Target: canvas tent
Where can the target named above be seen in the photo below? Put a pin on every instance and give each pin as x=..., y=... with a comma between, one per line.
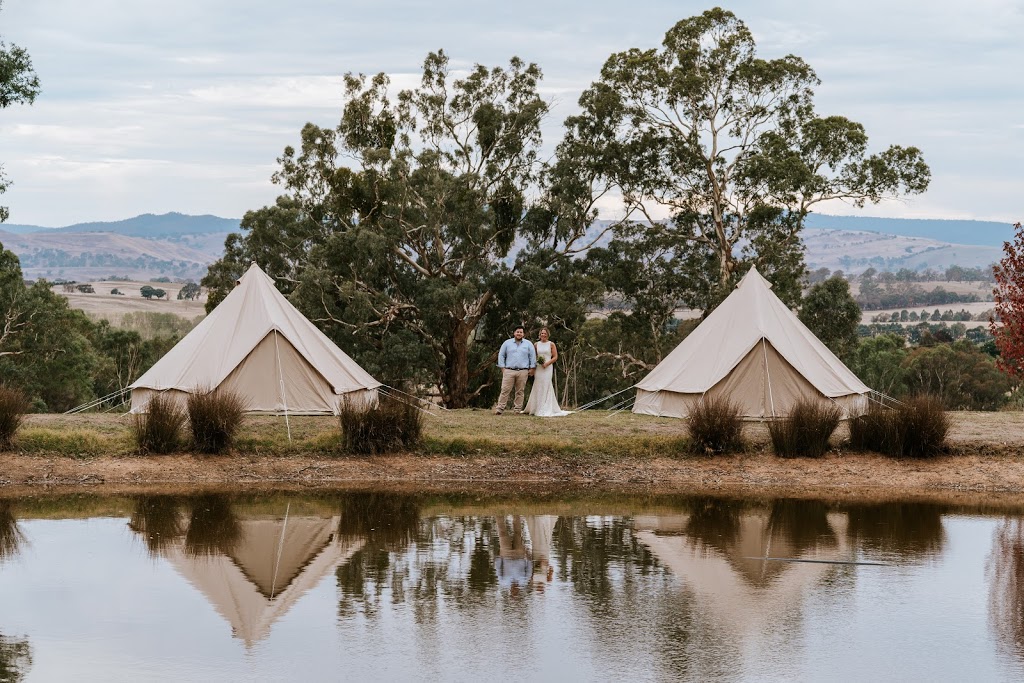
x=754, y=350
x=274, y=562
x=257, y=344
x=734, y=584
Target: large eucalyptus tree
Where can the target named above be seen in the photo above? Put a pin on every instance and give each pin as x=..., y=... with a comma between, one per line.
x=725, y=149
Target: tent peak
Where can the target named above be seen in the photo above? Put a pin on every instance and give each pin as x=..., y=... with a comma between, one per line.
x=754, y=276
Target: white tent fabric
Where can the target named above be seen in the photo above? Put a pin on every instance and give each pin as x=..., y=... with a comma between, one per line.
x=259, y=345
x=733, y=587
x=274, y=563
x=755, y=350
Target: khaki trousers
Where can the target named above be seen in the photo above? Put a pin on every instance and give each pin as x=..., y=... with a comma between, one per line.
x=512, y=379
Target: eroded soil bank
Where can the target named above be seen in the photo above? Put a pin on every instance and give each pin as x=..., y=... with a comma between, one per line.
x=475, y=449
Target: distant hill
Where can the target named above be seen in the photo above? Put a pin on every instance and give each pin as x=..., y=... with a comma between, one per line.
x=180, y=246
x=982, y=233
x=146, y=225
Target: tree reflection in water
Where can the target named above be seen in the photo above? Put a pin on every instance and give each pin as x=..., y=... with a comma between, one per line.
x=11, y=537
x=1006, y=587
x=15, y=658
x=213, y=527
x=908, y=531
x=159, y=521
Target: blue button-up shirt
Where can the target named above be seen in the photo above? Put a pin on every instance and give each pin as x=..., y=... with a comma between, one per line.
x=519, y=355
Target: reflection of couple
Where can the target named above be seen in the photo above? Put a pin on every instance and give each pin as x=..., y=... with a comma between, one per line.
x=514, y=564
x=518, y=359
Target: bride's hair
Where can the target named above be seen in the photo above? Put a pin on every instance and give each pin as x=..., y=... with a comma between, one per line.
x=543, y=329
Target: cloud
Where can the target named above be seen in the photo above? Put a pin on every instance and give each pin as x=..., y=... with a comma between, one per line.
x=145, y=110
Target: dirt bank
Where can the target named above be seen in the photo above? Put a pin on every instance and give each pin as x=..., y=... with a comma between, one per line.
x=476, y=448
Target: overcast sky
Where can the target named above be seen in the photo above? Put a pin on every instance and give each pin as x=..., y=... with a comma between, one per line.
x=184, y=106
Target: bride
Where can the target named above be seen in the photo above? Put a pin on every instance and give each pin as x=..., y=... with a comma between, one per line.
x=543, y=402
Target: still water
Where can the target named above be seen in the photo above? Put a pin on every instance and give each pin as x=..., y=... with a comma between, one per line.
x=385, y=586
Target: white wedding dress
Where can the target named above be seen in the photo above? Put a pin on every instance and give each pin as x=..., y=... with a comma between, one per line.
x=543, y=402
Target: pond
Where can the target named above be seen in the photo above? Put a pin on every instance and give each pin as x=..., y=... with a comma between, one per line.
x=376, y=585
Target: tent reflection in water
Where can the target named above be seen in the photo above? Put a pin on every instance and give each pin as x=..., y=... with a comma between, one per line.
x=724, y=566
x=257, y=344
x=270, y=565
x=755, y=351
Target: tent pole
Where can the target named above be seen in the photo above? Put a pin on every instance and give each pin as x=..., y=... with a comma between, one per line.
x=771, y=399
x=284, y=397
x=280, y=547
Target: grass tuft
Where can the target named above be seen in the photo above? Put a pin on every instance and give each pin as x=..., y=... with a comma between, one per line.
x=13, y=406
x=715, y=426
x=807, y=429
x=159, y=430
x=919, y=428
x=389, y=427
x=916, y=428
x=214, y=417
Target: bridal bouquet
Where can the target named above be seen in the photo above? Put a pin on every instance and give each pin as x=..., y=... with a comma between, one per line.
x=541, y=359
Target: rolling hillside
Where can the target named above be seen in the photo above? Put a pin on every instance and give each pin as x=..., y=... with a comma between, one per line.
x=181, y=247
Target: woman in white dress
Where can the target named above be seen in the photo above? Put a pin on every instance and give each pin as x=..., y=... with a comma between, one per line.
x=543, y=402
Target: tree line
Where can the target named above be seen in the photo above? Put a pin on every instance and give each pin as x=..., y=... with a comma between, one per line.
x=426, y=224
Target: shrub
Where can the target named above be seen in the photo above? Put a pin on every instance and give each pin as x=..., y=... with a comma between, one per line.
x=159, y=429
x=715, y=426
x=214, y=417
x=13, y=406
x=916, y=428
x=805, y=433
x=387, y=427
x=867, y=431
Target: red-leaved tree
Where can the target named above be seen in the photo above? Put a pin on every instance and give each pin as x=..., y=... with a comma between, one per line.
x=1007, y=325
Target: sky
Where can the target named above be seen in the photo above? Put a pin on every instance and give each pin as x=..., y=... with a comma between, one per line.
x=185, y=106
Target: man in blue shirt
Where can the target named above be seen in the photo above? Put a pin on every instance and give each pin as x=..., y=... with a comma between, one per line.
x=517, y=359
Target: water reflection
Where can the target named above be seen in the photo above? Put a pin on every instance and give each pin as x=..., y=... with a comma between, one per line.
x=11, y=537
x=158, y=520
x=901, y=531
x=1006, y=586
x=660, y=588
x=252, y=569
x=15, y=658
x=726, y=558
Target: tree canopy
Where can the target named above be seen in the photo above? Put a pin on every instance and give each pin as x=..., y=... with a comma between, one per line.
x=19, y=84
x=726, y=149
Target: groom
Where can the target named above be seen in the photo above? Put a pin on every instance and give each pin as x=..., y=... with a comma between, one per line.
x=517, y=359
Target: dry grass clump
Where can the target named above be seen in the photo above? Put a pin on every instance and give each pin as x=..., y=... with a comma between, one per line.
x=715, y=426
x=13, y=406
x=159, y=429
x=390, y=426
x=807, y=429
x=214, y=417
x=916, y=428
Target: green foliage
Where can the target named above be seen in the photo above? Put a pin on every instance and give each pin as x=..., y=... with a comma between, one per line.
x=715, y=426
x=878, y=361
x=158, y=430
x=214, y=418
x=190, y=291
x=19, y=84
x=960, y=375
x=408, y=263
x=13, y=406
x=388, y=427
x=730, y=145
x=830, y=312
x=806, y=430
x=149, y=292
